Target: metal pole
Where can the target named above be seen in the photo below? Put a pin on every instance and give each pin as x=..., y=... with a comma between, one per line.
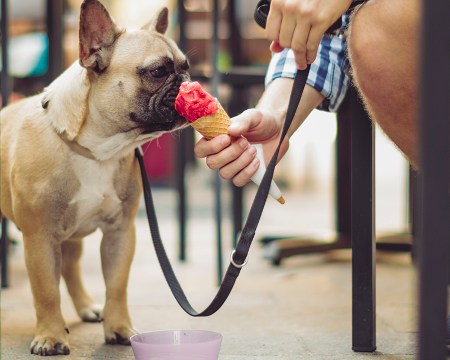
x=181, y=154
x=6, y=90
x=362, y=228
x=215, y=91
x=434, y=138
x=55, y=31
x=5, y=86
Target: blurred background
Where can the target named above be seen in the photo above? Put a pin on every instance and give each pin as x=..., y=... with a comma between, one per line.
x=40, y=39
x=242, y=53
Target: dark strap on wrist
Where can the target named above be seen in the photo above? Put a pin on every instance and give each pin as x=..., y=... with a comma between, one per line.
x=263, y=7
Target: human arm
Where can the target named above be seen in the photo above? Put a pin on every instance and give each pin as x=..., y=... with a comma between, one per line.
x=233, y=155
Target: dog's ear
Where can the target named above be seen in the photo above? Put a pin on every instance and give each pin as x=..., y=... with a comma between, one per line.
x=67, y=110
x=98, y=32
x=159, y=23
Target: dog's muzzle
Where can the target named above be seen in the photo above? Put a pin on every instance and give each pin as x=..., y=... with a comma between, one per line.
x=160, y=113
x=163, y=107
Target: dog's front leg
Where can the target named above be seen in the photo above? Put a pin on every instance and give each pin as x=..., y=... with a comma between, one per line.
x=117, y=251
x=43, y=261
x=85, y=306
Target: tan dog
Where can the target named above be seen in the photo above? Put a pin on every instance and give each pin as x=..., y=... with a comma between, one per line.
x=67, y=166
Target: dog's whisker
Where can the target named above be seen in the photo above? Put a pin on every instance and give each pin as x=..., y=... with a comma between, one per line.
x=191, y=52
x=147, y=148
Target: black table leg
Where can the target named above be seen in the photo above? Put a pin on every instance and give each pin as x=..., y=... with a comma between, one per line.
x=362, y=230
x=434, y=217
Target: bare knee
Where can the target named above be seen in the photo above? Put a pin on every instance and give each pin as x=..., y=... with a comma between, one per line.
x=383, y=43
x=362, y=44
x=383, y=52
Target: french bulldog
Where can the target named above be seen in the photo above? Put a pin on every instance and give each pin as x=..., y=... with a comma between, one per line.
x=68, y=166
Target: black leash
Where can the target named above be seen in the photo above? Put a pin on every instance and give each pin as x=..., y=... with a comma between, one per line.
x=239, y=255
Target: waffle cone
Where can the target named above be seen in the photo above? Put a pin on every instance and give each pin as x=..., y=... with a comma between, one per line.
x=213, y=125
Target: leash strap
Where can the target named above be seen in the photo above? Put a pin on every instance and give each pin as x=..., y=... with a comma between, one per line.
x=239, y=255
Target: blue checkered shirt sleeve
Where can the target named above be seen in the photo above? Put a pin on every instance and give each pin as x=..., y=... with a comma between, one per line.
x=329, y=73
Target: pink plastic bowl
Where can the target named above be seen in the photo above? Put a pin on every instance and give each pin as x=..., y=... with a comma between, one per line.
x=177, y=345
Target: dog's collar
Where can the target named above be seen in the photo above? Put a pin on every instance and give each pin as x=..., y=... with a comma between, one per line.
x=76, y=147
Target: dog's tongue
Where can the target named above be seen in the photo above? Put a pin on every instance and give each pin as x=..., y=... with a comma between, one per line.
x=192, y=102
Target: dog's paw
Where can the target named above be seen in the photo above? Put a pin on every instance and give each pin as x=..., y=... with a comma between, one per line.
x=119, y=336
x=92, y=313
x=48, y=345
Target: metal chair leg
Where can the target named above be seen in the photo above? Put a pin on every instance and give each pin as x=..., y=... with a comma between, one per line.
x=362, y=229
x=434, y=139
x=4, y=248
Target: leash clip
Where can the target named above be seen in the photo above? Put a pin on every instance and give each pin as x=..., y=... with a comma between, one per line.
x=236, y=265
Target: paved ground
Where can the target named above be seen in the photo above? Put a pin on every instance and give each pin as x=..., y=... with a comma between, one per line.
x=300, y=310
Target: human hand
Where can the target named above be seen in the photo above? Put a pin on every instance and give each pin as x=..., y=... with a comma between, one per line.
x=233, y=155
x=300, y=24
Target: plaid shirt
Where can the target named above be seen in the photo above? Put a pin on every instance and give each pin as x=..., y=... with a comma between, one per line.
x=329, y=73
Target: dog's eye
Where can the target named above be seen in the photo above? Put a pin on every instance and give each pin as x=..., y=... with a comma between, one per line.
x=159, y=72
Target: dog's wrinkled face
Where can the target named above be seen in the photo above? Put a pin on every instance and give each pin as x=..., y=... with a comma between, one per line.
x=158, y=81
x=142, y=89
x=134, y=75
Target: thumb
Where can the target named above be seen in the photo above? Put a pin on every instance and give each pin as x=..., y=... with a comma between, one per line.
x=243, y=123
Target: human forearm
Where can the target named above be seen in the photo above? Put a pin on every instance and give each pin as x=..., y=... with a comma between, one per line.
x=233, y=156
x=275, y=99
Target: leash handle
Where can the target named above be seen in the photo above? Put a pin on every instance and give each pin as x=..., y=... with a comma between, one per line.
x=263, y=8
x=239, y=255
x=262, y=11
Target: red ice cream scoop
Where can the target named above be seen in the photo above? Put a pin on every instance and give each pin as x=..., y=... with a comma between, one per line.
x=203, y=112
x=193, y=102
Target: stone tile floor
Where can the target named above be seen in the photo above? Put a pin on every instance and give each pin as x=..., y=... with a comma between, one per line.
x=300, y=310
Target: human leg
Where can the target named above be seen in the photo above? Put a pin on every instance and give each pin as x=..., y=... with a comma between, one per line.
x=383, y=50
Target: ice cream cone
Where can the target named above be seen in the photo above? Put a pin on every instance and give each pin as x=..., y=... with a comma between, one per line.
x=213, y=125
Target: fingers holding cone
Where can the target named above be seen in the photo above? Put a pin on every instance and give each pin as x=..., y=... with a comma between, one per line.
x=206, y=115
